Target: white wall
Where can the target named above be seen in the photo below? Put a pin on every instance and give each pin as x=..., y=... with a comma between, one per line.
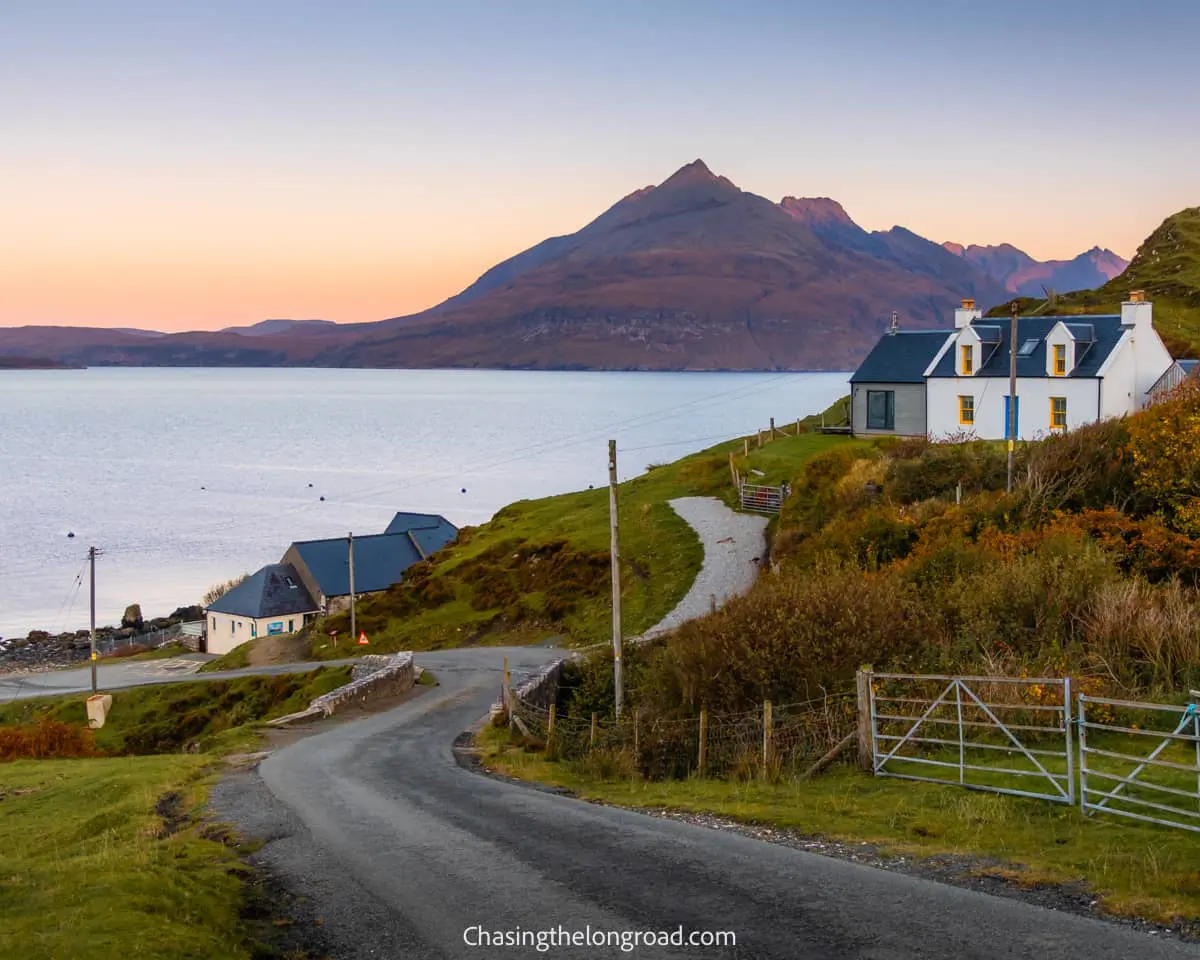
x=226, y=631
x=1033, y=394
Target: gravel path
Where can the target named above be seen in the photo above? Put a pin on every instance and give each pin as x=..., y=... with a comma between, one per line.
x=734, y=547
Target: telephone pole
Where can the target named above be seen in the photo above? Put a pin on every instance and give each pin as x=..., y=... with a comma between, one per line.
x=616, y=575
x=92, y=562
x=350, y=555
x=1012, y=394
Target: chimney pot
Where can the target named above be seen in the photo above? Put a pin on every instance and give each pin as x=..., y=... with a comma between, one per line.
x=1137, y=296
x=968, y=303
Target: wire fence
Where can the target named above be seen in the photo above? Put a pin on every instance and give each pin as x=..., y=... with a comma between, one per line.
x=774, y=741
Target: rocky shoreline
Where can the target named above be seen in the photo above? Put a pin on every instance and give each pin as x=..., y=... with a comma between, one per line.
x=41, y=650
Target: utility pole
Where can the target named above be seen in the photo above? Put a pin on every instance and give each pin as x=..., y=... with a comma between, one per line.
x=615, y=550
x=350, y=555
x=1012, y=394
x=92, y=561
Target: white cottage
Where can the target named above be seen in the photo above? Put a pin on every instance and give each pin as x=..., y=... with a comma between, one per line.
x=1071, y=370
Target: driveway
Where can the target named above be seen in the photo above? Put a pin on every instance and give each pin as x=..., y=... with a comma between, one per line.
x=398, y=851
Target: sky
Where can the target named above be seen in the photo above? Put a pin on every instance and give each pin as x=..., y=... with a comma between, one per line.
x=193, y=166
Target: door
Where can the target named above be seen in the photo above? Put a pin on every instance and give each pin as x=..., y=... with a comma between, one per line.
x=1008, y=432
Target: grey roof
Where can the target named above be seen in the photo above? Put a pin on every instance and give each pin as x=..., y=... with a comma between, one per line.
x=1107, y=331
x=379, y=561
x=431, y=531
x=901, y=357
x=273, y=591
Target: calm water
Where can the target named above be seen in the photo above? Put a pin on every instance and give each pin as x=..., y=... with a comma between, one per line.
x=188, y=477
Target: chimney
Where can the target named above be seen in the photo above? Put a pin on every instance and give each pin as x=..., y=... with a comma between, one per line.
x=1137, y=312
x=966, y=313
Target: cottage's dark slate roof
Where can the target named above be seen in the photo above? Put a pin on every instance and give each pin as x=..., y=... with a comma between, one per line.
x=431, y=531
x=274, y=591
x=1107, y=331
x=379, y=561
x=901, y=357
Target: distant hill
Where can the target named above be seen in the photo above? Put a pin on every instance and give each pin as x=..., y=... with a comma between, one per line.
x=1021, y=274
x=1167, y=267
x=692, y=274
x=31, y=363
x=266, y=328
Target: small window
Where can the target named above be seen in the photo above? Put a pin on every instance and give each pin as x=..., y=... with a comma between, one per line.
x=253, y=629
x=1060, y=360
x=232, y=627
x=881, y=409
x=968, y=359
x=1027, y=348
x=214, y=621
x=1058, y=413
x=966, y=410
x=291, y=626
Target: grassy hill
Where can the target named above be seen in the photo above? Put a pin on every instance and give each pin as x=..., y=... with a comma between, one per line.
x=1167, y=267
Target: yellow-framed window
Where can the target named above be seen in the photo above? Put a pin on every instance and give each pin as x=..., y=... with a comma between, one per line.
x=1058, y=413
x=966, y=410
x=968, y=359
x=1060, y=359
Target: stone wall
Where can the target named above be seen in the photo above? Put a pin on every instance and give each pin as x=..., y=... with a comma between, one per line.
x=540, y=690
x=371, y=679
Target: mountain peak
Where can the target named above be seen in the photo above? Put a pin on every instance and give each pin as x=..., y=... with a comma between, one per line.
x=816, y=210
x=693, y=173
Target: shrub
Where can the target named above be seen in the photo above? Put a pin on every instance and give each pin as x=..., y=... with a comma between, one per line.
x=45, y=740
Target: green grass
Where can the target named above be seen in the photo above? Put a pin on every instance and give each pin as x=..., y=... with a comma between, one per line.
x=90, y=870
x=447, y=603
x=215, y=715
x=1137, y=870
x=235, y=659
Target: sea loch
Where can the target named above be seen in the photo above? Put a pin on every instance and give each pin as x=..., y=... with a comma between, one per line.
x=185, y=477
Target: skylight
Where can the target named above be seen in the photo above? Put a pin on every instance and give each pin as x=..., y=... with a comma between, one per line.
x=1028, y=347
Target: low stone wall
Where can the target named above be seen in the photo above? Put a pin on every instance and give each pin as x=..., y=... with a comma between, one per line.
x=370, y=680
x=540, y=690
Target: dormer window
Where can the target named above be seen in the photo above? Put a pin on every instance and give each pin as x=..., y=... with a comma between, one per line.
x=1060, y=359
x=968, y=359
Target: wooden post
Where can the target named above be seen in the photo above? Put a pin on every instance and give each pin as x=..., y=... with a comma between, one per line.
x=637, y=739
x=866, y=750
x=759, y=439
x=746, y=446
x=772, y=428
x=799, y=424
x=615, y=552
x=703, y=740
x=767, y=733
x=592, y=741
x=732, y=469
x=550, y=723
x=507, y=693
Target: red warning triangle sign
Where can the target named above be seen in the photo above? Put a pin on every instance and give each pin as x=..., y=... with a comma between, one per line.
x=362, y=638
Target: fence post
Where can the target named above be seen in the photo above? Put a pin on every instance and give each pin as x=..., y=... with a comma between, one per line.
x=507, y=693
x=746, y=446
x=772, y=428
x=866, y=752
x=732, y=469
x=703, y=740
x=759, y=439
x=767, y=725
x=592, y=741
x=799, y=424
x=550, y=723
x=637, y=744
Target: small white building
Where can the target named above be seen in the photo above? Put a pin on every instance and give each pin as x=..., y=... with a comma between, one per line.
x=270, y=602
x=1071, y=370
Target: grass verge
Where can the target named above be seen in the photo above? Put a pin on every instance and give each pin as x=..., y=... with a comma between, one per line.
x=205, y=715
x=1135, y=870
x=104, y=858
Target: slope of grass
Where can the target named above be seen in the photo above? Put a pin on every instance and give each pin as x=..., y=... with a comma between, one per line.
x=162, y=718
x=92, y=870
x=1167, y=267
x=1137, y=869
x=540, y=568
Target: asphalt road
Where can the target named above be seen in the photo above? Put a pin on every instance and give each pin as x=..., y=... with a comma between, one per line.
x=398, y=850
x=133, y=673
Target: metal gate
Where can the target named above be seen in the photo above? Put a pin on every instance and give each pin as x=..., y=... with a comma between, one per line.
x=762, y=499
x=1161, y=786
x=1001, y=734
